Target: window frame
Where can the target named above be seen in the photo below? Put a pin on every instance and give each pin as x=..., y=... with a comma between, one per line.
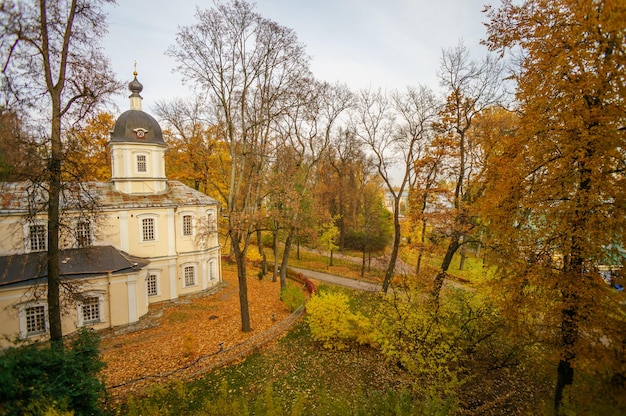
x=29, y=237
x=143, y=163
x=193, y=267
x=155, y=227
x=78, y=234
x=99, y=300
x=212, y=270
x=23, y=318
x=157, y=286
x=187, y=229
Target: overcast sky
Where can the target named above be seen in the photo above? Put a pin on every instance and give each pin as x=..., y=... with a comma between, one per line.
x=378, y=43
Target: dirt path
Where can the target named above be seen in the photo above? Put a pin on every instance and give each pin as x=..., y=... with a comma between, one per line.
x=379, y=263
x=338, y=280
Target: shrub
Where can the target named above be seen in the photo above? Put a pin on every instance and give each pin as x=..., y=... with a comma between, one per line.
x=268, y=240
x=292, y=296
x=36, y=380
x=333, y=323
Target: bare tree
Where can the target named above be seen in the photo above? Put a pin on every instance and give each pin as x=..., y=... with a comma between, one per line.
x=395, y=131
x=52, y=64
x=348, y=173
x=306, y=130
x=248, y=66
x=417, y=109
x=471, y=88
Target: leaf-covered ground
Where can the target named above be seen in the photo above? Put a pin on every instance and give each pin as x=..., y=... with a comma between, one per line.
x=187, y=334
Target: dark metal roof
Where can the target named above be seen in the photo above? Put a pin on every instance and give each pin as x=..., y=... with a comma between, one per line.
x=135, y=86
x=25, y=269
x=22, y=197
x=130, y=121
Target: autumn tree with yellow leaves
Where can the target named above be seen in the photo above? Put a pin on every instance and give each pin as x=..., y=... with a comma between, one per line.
x=558, y=192
x=197, y=154
x=87, y=154
x=472, y=87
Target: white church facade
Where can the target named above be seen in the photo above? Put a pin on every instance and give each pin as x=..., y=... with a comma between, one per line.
x=146, y=239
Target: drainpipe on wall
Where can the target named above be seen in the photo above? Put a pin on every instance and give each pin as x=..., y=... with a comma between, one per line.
x=109, y=274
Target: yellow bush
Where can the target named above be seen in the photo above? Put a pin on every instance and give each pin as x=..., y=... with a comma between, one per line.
x=332, y=323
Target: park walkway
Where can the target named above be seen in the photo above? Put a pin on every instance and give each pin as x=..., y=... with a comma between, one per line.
x=338, y=280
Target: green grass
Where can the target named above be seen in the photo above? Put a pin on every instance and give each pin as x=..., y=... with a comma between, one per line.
x=296, y=376
x=293, y=377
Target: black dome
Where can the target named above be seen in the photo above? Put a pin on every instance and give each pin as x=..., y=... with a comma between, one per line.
x=132, y=123
x=135, y=86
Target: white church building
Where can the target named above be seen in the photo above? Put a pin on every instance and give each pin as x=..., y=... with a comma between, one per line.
x=146, y=240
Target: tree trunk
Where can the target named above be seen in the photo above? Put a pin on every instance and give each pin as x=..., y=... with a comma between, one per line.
x=463, y=258
x=259, y=239
x=243, y=283
x=285, y=261
x=54, y=279
x=569, y=336
x=445, y=265
x=54, y=191
x=418, y=266
x=298, y=249
x=570, y=283
x=363, y=263
x=394, y=251
x=275, y=248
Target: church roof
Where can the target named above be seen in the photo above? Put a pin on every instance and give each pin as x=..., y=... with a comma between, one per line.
x=134, y=125
x=75, y=263
x=130, y=122
x=24, y=197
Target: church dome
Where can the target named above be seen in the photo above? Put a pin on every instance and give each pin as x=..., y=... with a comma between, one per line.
x=134, y=125
x=137, y=127
x=135, y=86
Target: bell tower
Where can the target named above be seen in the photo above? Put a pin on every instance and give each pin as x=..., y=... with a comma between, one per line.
x=137, y=149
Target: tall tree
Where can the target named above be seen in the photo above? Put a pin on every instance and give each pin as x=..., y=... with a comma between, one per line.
x=307, y=130
x=340, y=179
x=395, y=130
x=250, y=68
x=563, y=195
x=471, y=87
x=52, y=64
x=374, y=228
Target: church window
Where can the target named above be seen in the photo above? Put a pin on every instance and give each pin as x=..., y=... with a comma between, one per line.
x=189, y=274
x=90, y=310
x=187, y=225
x=37, y=237
x=35, y=320
x=83, y=234
x=152, y=284
x=147, y=228
x=212, y=270
x=142, y=163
